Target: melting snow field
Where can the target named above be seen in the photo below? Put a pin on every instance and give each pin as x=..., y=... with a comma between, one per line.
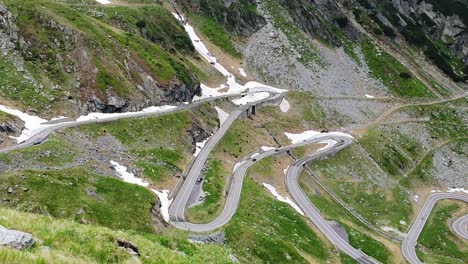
x=199, y=146
x=231, y=84
x=242, y=72
x=165, y=203
x=251, y=98
x=127, y=176
x=151, y=109
x=450, y=190
x=265, y=148
x=223, y=116
x=273, y=191
x=457, y=190
x=310, y=134
x=32, y=124
x=284, y=106
x=104, y=2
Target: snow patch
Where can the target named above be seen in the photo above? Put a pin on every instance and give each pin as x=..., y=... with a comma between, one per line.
x=165, y=203
x=265, y=148
x=457, y=190
x=151, y=109
x=310, y=134
x=284, y=106
x=286, y=170
x=273, y=191
x=199, y=146
x=369, y=96
x=250, y=98
x=127, y=176
x=223, y=116
x=402, y=222
x=242, y=72
x=104, y=2
x=231, y=84
x=254, y=155
x=32, y=124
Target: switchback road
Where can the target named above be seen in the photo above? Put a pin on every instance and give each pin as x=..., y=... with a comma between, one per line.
x=460, y=226
x=409, y=244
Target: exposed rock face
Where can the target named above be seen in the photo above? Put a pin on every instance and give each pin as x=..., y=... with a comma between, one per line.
x=312, y=16
x=131, y=248
x=15, y=239
x=8, y=29
x=12, y=126
x=214, y=238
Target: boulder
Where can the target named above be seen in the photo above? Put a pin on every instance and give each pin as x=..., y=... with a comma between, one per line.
x=130, y=247
x=15, y=239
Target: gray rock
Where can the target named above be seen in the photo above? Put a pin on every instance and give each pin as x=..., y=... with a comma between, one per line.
x=15, y=239
x=214, y=238
x=130, y=247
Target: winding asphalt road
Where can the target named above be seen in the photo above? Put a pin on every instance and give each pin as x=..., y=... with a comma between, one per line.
x=292, y=183
x=409, y=244
x=460, y=226
x=177, y=209
x=43, y=134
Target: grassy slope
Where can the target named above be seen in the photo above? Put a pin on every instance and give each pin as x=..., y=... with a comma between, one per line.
x=396, y=77
x=100, y=41
x=160, y=154
x=440, y=244
x=354, y=183
x=79, y=194
x=266, y=229
x=54, y=152
x=215, y=34
x=64, y=241
x=241, y=139
x=355, y=229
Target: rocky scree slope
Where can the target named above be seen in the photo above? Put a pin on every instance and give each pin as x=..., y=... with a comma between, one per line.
x=69, y=59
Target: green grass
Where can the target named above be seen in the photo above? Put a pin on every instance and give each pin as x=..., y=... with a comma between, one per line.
x=368, y=245
x=441, y=245
x=266, y=230
x=79, y=194
x=153, y=23
x=215, y=34
x=239, y=140
x=333, y=211
x=54, y=152
x=64, y=241
x=161, y=145
x=394, y=75
x=214, y=180
x=15, y=87
x=95, y=44
x=394, y=151
x=361, y=184
x=160, y=164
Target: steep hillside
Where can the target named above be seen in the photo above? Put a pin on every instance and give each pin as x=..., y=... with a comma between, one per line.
x=73, y=57
x=390, y=74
